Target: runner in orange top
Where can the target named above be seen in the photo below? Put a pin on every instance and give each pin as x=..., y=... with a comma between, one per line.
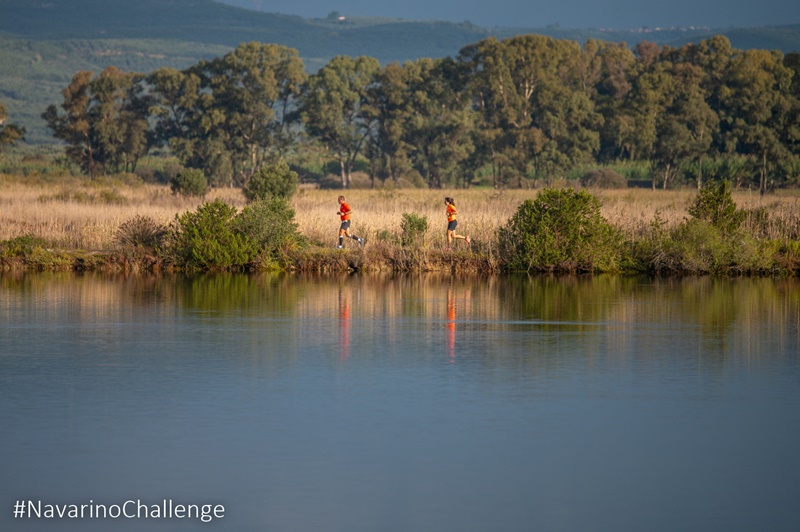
x=344, y=228
x=452, y=213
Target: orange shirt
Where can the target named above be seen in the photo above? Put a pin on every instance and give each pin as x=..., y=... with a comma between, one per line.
x=345, y=209
x=451, y=212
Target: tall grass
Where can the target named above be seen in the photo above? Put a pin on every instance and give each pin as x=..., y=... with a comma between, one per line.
x=74, y=213
x=77, y=214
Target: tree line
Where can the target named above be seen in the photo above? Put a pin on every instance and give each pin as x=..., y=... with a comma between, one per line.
x=524, y=108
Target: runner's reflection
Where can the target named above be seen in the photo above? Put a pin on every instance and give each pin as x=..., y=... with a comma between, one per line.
x=451, y=321
x=344, y=325
x=451, y=325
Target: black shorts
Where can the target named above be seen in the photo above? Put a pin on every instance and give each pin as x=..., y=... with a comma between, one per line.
x=451, y=226
x=345, y=225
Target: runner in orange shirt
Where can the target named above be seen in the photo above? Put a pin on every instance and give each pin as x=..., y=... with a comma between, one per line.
x=452, y=213
x=344, y=229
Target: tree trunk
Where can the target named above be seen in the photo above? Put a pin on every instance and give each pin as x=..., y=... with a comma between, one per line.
x=700, y=174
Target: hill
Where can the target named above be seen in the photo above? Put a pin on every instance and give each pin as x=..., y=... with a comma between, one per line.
x=44, y=42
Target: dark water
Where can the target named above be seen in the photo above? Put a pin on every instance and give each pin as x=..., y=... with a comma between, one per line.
x=405, y=403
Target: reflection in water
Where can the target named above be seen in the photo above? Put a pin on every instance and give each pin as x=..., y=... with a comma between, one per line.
x=451, y=325
x=576, y=403
x=601, y=314
x=344, y=324
x=451, y=319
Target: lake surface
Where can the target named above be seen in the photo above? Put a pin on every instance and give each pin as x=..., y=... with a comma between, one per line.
x=422, y=403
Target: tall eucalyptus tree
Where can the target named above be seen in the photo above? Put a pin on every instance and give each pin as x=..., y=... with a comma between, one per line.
x=335, y=108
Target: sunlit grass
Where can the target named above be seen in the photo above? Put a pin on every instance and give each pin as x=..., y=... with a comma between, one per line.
x=75, y=213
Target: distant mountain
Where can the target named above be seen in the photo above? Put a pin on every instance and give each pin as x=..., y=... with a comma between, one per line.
x=44, y=42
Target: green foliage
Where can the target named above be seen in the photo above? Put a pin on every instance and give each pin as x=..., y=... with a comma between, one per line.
x=141, y=231
x=269, y=224
x=699, y=247
x=562, y=230
x=21, y=246
x=273, y=180
x=715, y=205
x=190, y=182
x=207, y=239
x=603, y=178
x=524, y=106
x=413, y=228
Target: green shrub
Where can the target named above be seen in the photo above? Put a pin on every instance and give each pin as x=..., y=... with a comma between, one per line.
x=269, y=223
x=21, y=246
x=189, y=182
x=603, y=178
x=715, y=205
x=562, y=230
x=413, y=228
x=207, y=239
x=275, y=179
x=699, y=247
x=386, y=236
x=141, y=231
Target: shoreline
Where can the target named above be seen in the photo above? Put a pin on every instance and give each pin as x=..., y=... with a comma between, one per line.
x=324, y=261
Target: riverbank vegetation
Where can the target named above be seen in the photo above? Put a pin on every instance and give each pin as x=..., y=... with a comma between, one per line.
x=230, y=163
x=73, y=223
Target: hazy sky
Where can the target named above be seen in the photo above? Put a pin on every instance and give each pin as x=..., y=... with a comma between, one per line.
x=620, y=14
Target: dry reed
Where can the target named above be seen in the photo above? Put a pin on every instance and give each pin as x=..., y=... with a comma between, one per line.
x=82, y=214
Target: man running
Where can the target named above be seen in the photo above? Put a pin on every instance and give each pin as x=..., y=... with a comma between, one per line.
x=344, y=229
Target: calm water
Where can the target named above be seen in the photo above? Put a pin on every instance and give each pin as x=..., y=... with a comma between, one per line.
x=404, y=403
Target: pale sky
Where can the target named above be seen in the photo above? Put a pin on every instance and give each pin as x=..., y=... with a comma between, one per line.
x=619, y=14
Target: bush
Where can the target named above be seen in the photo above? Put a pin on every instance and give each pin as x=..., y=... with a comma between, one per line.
x=702, y=247
x=275, y=179
x=562, y=230
x=190, y=182
x=207, y=239
x=603, y=178
x=269, y=223
x=21, y=246
x=413, y=229
x=699, y=247
x=715, y=205
x=141, y=231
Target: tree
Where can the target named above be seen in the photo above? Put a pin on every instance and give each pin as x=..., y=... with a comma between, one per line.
x=186, y=121
x=645, y=103
x=334, y=108
x=253, y=89
x=104, y=123
x=74, y=127
x=757, y=106
x=429, y=120
x=687, y=125
x=537, y=108
x=229, y=115
x=10, y=134
x=611, y=93
x=118, y=115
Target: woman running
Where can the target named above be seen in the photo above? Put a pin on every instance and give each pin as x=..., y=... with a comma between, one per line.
x=452, y=223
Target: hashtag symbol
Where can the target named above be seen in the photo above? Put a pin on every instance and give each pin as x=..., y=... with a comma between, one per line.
x=19, y=509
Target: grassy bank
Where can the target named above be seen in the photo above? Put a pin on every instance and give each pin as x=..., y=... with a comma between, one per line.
x=73, y=223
